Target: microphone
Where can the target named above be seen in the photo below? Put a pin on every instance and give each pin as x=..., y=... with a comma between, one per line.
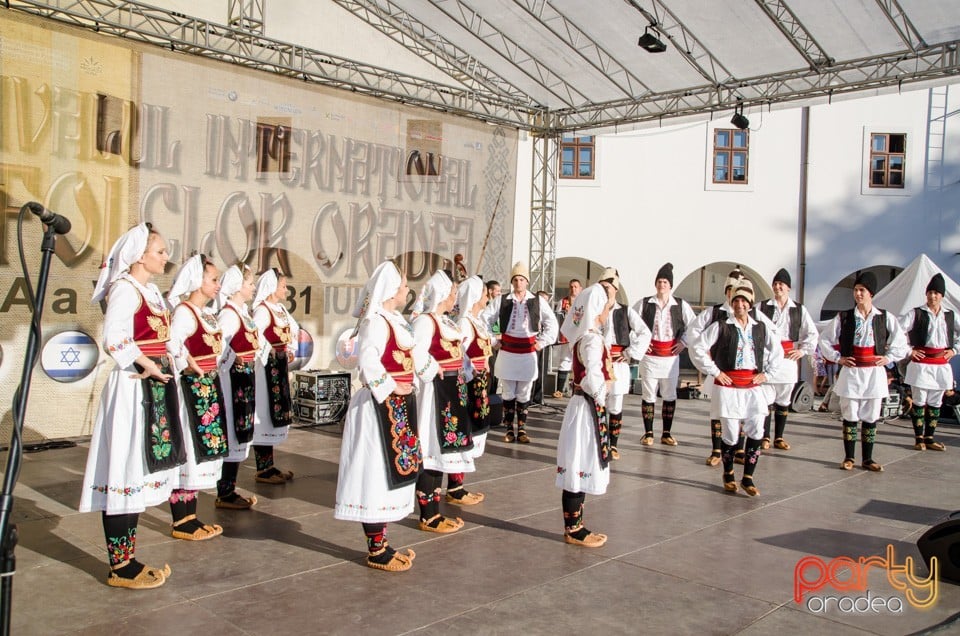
x=59, y=224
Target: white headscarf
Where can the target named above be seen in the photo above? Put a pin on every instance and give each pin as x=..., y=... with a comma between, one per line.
x=436, y=289
x=188, y=279
x=470, y=292
x=384, y=284
x=230, y=283
x=266, y=286
x=125, y=252
x=583, y=314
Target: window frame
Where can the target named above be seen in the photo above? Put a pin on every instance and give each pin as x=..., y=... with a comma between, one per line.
x=730, y=150
x=886, y=154
x=576, y=144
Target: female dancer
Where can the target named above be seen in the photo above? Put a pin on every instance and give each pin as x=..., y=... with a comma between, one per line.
x=136, y=444
x=196, y=343
x=583, y=451
x=442, y=402
x=380, y=452
x=477, y=347
x=241, y=340
x=279, y=332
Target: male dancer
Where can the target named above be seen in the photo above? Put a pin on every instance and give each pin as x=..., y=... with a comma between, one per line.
x=667, y=318
x=527, y=325
x=863, y=340
x=566, y=351
x=798, y=337
x=933, y=333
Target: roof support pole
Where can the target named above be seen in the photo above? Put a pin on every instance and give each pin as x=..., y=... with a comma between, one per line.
x=543, y=212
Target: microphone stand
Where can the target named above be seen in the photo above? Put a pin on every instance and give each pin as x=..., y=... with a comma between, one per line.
x=8, y=532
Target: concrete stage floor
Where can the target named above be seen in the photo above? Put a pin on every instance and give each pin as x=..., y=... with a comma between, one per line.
x=683, y=557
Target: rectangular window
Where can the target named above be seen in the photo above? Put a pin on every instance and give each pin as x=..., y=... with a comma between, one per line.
x=731, y=151
x=887, y=158
x=577, y=157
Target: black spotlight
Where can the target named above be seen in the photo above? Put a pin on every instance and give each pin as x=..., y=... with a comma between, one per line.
x=650, y=42
x=739, y=119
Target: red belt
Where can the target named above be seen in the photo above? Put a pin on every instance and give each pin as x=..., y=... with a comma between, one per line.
x=512, y=344
x=246, y=356
x=153, y=349
x=933, y=356
x=480, y=364
x=788, y=345
x=662, y=348
x=616, y=349
x=206, y=363
x=451, y=365
x=742, y=379
x=405, y=377
x=865, y=356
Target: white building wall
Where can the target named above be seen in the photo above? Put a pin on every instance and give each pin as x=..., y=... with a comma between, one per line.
x=653, y=201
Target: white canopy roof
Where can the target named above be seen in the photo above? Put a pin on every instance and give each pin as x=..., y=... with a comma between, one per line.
x=908, y=289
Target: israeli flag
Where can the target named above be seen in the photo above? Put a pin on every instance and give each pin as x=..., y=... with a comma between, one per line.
x=69, y=356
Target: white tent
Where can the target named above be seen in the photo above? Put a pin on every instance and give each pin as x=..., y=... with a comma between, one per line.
x=908, y=289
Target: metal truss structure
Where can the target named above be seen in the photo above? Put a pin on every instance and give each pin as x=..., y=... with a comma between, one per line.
x=524, y=81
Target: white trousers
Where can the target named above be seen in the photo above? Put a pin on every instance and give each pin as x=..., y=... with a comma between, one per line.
x=668, y=388
x=927, y=397
x=854, y=410
x=752, y=428
x=780, y=393
x=518, y=390
x=614, y=403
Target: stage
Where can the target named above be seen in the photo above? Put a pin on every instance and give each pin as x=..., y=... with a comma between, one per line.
x=683, y=557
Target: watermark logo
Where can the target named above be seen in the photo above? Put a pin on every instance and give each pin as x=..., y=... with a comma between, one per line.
x=849, y=577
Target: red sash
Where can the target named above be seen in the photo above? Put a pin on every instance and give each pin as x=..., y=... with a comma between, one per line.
x=788, y=345
x=742, y=379
x=865, y=356
x=933, y=356
x=662, y=348
x=513, y=344
x=616, y=349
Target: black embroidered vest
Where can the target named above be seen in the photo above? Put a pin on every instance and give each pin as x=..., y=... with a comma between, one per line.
x=921, y=327
x=848, y=327
x=676, y=316
x=724, y=350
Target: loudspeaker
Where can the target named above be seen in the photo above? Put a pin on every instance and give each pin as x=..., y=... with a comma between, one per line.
x=943, y=541
x=802, y=397
x=495, y=417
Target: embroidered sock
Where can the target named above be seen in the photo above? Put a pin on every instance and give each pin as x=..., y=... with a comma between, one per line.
x=668, y=409
x=741, y=443
x=716, y=433
x=428, y=495
x=726, y=455
x=263, y=455
x=572, y=504
x=930, y=418
x=120, y=533
x=183, y=503
x=849, y=439
x=509, y=410
x=868, y=435
x=752, y=457
x=917, y=417
x=227, y=484
x=522, y=408
x=378, y=550
x=616, y=424
x=646, y=410
x=455, y=487
x=779, y=420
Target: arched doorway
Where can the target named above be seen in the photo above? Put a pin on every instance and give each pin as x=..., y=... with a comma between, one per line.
x=584, y=270
x=841, y=296
x=703, y=287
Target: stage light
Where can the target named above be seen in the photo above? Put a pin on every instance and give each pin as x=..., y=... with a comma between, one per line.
x=738, y=119
x=650, y=42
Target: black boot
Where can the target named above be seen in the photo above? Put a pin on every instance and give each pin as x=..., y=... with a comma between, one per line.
x=931, y=415
x=868, y=435
x=647, y=410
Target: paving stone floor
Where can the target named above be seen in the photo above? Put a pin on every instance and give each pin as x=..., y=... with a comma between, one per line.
x=683, y=557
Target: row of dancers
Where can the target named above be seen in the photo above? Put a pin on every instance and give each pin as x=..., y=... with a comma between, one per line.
x=200, y=378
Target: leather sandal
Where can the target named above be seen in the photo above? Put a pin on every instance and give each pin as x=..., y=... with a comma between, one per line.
x=872, y=466
x=729, y=482
x=148, y=578
x=669, y=440
x=236, y=502
x=647, y=439
x=276, y=478
x=400, y=562
x=919, y=446
x=614, y=453
x=765, y=443
x=934, y=446
x=847, y=464
x=469, y=499
x=714, y=459
x=522, y=437
x=206, y=531
x=446, y=525
x=739, y=457
x=592, y=540
x=510, y=437
x=750, y=488
x=781, y=444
